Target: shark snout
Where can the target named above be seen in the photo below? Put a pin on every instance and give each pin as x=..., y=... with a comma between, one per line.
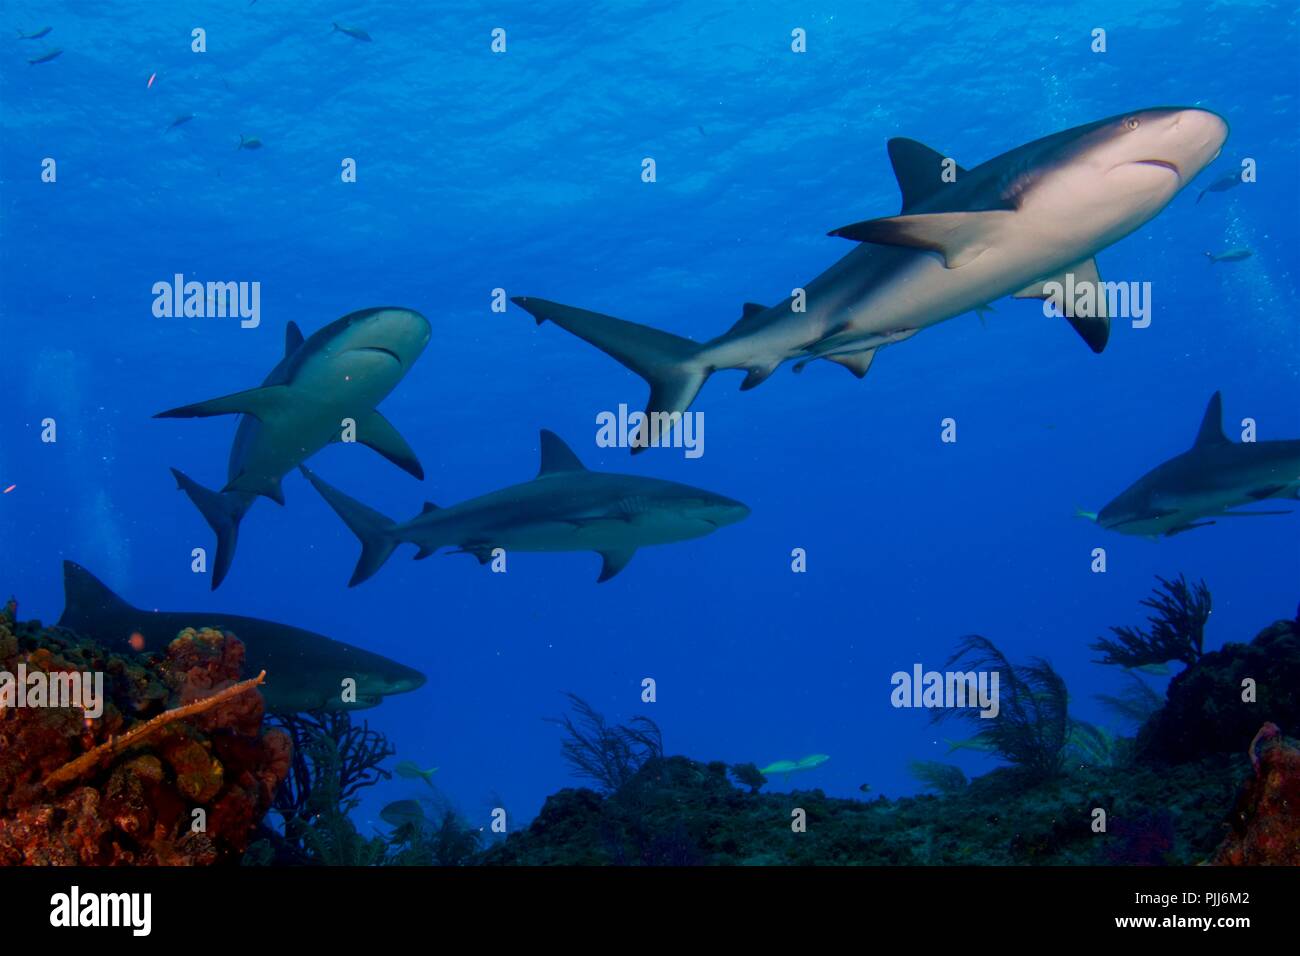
x=400, y=333
x=1195, y=137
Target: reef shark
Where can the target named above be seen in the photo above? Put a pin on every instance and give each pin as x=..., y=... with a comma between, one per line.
x=1011, y=226
x=1212, y=476
x=340, y=373
x=565, y=508
x=304, y=671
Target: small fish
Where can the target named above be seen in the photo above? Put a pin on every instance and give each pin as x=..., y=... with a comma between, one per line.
x=411, y=771
x=1232, y=255
x=43, y=31
x=402, y=812
x=9, y=489
x=865, y=788
x=179, y=121
x=1159, y=670
x=251, y=143
x=355, y=32
x=46, y=57
x=1221, y=185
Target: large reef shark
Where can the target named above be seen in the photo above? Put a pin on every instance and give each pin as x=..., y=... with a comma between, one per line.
x=565, y=508
x=304, y=671
x=1205, y=481
x=1010, y=226
x=341, y=372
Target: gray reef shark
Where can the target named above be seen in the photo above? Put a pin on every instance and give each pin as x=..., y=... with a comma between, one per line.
x=341, y=372
x=1013, y=225
x=565, y=508
x=1215, y=474
x=304, y=671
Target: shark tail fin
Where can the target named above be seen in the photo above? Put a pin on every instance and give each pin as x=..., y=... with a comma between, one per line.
x=223, y=511
x=669, y=363
x=373, y=530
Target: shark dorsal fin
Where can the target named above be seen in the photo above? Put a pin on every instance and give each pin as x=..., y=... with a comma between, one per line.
x=557, y=456
x=292, y=338
x=86, y=598
x=1211, y=432
x=918, y=169
x=428, y=506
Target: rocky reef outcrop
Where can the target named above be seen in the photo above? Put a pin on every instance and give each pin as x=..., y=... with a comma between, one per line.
x=1217, y=703
x=175, y=769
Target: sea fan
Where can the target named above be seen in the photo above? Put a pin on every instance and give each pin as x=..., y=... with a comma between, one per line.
x=607, y=755
x=1032, y=724
x=1177, y=628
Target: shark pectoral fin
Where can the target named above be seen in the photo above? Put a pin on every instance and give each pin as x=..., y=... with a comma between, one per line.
x=377, y=432
x=481, y=552
x=857, y=363
x=263, y=485
x=1259, y=494
x=959, y=237
x=423, y=553
x=756, y=375
x=1087, y=312
x=261, y=403
x=615, y=561
x=1187, y=527
x=292, y=338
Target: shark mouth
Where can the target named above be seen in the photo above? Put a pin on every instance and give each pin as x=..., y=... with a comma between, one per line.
x=1163, y=163
x=383, y=351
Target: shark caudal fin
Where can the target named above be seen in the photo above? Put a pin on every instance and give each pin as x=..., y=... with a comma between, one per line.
x=669, y=363
x=373, y=530
x=222, y=511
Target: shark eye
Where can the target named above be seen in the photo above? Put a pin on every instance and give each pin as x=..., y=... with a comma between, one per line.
x=1132, y=122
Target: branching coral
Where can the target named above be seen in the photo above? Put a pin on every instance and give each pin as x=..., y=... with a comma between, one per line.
x=332, y=761
x=87, y=762
x=749, y=775
x=1177, y=628
x=1136, y=702
x=943, y=777
x=607, y=755
x=1032, y=723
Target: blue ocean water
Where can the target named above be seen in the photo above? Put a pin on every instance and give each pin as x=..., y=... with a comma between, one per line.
x=522, y=171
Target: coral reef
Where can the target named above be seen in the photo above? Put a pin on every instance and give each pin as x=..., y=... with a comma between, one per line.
x=1032, y=725
x=1265, y=823
x=333, y=760
x=678, y=811
x=607, y=755
x=748, y=774
x=1207, y=710
x=943, y=777
x=1177, y=628
x=175, y=770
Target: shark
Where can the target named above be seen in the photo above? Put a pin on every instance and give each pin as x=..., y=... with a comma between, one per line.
x=339, y=374
x=1207, y=480
x=1015, y=225
x=304, y=670
x=565, y=508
